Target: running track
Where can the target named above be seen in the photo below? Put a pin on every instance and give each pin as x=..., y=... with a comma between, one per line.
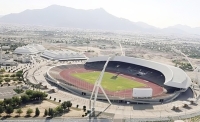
x=66, y=75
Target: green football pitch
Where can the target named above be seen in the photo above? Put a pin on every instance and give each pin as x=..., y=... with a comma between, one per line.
x=110, y=81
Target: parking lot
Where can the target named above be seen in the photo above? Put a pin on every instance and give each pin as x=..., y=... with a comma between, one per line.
x=7, y=92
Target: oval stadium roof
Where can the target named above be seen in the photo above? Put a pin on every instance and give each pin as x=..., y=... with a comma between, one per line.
x=174, y=77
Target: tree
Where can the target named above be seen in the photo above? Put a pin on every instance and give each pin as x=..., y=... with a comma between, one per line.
x=1, y=110
x=29, y=111
x=69, y=104
x=19, y=111
x=7, y=79
x=25, y=98
x=66, y=105
x=45, y=112
x=37, y=112
x=59, y=109
x=8, y=102
x=9, y=110
x=29, y=92
x=16, y=101
x=18, y=75
x=36, y=95
x=51, y=112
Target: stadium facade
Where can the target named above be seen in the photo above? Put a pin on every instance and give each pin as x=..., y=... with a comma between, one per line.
x=173, y=80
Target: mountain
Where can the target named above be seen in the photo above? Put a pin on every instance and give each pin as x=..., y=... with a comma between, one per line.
x=184, y=29
x=61, y=16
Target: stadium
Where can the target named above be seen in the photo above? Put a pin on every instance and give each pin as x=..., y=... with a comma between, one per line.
x=126, y=79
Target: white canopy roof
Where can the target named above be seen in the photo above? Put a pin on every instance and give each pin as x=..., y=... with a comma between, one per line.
x=26, y=50
x=39, y=47
x=29, y=49
x=174, y=77
x=62, y=55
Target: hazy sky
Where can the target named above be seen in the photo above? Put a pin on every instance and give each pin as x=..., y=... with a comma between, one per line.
x=159, y=13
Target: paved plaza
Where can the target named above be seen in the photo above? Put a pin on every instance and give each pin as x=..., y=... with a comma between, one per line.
x=7, y=92
x=123, y=111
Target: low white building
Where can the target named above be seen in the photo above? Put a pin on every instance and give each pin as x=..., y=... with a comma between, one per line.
x=22, y=58
x=29, y=49
x=5, y=47
x=63, y=55
x=5, y=62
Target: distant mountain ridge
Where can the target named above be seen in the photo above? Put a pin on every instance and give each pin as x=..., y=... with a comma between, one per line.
x=185, y=29
x=61, y=16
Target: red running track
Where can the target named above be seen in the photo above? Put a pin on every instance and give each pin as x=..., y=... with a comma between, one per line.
x=66, y=75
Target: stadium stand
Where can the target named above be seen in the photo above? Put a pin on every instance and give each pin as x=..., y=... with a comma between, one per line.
x=133, y=70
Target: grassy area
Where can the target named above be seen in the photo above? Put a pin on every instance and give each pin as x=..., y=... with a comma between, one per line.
x=110, y=81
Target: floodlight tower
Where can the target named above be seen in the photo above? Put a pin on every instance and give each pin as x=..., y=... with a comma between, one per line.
x=97, y=84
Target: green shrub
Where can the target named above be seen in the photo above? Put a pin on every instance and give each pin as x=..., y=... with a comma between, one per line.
x=19, y=82
x=1, y=80
x=29, y=112
x=13, y=75
x=14, y=79
x=20, y=79
x=7, y=75
x=18, y=91
x=2, y=70
x=7, y=79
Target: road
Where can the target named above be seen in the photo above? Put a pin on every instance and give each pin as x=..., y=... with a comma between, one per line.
x=53, y=120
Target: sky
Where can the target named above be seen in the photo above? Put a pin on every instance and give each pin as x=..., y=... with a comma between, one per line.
x=159, y=13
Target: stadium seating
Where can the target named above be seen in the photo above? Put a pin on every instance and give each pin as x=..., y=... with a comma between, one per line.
x=133, y=70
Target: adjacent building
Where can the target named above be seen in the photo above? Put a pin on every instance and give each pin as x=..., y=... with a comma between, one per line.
x=30, y=49
x=63, y=55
